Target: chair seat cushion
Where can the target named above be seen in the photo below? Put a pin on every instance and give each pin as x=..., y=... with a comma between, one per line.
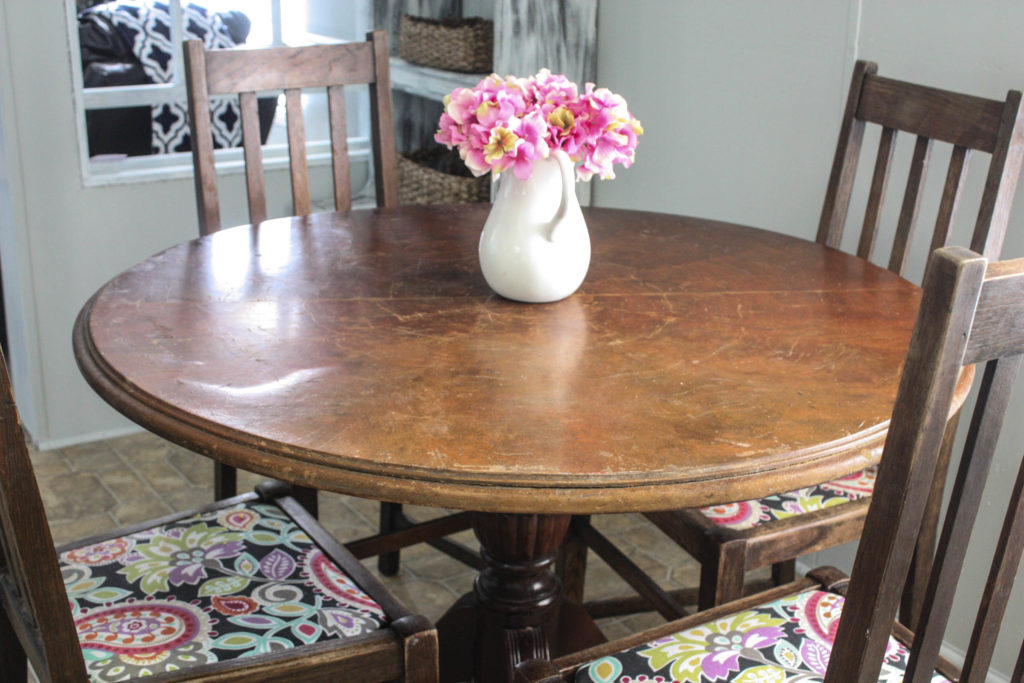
x=786, y=640
x=237, y=581
x=751, y=513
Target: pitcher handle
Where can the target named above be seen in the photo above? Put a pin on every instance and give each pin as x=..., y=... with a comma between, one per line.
x=565, y=164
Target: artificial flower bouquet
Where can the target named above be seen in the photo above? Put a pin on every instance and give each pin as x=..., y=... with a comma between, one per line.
x=512, y=122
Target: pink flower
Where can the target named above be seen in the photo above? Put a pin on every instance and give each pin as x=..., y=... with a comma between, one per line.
x=512, y=122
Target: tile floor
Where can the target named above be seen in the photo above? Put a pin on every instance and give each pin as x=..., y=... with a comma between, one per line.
x=102, y=485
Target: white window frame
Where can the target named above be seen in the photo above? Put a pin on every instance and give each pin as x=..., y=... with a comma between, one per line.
x=121, y=170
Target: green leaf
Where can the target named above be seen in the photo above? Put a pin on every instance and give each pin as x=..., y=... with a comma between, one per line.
x=761, y=674
x=237, y=641
x=264, y=537
x=223, y=585
x=107, y=595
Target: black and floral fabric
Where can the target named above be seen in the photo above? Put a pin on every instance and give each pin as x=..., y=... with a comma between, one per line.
x=786, y=641
x=230, y=583
x=750, y=513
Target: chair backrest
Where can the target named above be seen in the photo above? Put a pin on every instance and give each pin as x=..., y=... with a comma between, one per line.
x=966, y=122
x=31, y=588
x=972, y=312
x=291, y=69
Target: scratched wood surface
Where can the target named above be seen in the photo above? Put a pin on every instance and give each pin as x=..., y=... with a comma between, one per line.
x=700, y=361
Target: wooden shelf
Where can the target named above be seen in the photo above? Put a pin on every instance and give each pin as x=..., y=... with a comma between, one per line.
x=424, y=81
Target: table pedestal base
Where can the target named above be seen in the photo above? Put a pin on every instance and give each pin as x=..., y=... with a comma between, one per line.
x=516, y=611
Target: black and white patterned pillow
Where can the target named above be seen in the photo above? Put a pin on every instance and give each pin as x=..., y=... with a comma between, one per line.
x=145, y=25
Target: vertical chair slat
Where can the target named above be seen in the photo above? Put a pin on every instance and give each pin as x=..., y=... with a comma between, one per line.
x=205, y=172
x=339, y=148
x=911, y=204
x=965, y=500
x=998, y=586
x=879, y=181
x=297, y=151
x=1001, y=182
x=255, y=185
x=383, y=123
x=844, y=164
x=951, y=193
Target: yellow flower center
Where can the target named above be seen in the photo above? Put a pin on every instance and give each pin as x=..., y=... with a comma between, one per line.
x=502, y=142
x=562, y=118
x=481, y=111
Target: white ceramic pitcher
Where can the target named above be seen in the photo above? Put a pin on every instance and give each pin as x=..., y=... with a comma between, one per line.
x=535, y=246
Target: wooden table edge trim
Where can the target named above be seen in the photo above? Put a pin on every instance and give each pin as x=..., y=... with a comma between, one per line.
x=476, y=491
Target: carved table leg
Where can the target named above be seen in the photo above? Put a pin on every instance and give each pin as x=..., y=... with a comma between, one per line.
x=516, y=611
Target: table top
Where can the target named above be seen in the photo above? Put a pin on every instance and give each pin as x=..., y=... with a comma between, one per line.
x=363, y=353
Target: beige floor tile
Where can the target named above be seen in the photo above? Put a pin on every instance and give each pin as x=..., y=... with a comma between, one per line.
x=66, y=531
x=618, y=523
x=188, y=497
x=368, y=509
x=48, y=464
x=93, y=457
x=430, y=598
x=427, y=563
x=73, y=495
x=140, y=510
x=194, y=467
x=125, y=484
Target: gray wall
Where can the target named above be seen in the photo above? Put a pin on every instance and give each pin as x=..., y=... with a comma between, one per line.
x=740, y=100
x=741, y=103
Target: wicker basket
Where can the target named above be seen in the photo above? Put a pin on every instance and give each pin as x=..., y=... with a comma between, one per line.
x=438, y=176
x=465, y=45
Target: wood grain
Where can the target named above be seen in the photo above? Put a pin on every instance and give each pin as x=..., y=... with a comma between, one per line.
x=364, y=353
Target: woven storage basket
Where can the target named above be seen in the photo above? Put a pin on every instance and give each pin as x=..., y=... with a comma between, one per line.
x=465, y=45
x=438, y=176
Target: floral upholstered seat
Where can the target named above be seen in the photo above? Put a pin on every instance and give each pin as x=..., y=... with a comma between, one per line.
x=751, y=513
x=784, y=641
x=229, y=583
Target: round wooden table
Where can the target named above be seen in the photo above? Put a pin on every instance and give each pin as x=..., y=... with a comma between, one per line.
x=700, y=362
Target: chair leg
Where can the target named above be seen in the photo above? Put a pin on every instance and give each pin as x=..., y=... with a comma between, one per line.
x=783, y=572
x=390, y=515
x=308, y=499
x=571, y=562
x=721, y=575
x=13, y=663
x=225, y=481
x=419, y=639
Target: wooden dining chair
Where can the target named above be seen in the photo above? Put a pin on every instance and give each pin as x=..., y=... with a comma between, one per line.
x=246, y=589
x=730, y=540
x=972, y=312
x=246, y=73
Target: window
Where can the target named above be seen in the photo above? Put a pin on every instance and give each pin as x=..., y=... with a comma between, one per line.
x=130, y=89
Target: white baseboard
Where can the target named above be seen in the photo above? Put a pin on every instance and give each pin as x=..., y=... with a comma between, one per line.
x=54, y=444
